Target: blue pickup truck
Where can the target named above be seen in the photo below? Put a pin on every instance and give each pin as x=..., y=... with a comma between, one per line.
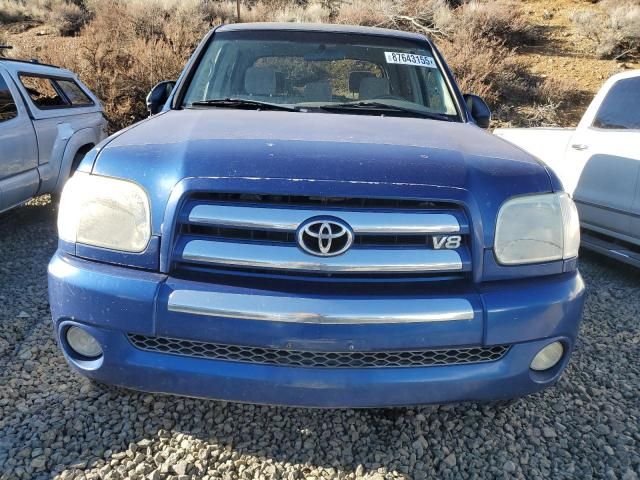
x=314, y=216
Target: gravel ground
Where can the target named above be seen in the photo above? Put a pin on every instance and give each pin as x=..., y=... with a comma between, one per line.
x=55, y=424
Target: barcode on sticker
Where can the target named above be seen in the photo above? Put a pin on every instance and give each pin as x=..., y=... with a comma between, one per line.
x=410, y=59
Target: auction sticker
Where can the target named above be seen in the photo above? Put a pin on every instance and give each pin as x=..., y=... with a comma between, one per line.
x=410, y=59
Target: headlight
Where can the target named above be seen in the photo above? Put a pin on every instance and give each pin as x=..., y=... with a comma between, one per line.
x=537, y=228
x=104, y=212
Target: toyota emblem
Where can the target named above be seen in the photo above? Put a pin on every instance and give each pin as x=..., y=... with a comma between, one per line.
x=325, y=237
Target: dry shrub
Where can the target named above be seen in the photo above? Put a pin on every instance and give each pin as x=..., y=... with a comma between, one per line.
x=557, y=90
x=540, y=115
x=613, y=30
x=127, y=48
x=369, y=13
x=219, y=11
x=4, y=41
x=430, y=17
x=314, y=12
x=544, y=102
x=69, y=18
x=31, y=10
x=483, y=67
x=500, y=20
x=15, y=11
x=18, y=11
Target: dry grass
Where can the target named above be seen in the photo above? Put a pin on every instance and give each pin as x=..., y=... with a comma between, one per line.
x=613, y=30
x=69, y=18
x=127, y=48
x=484, y=67
x=370, y=13
x=264, y=12
x=499, y=20
x=554, y=90
x=24, y=10
x=541, y=102
x=4, y=40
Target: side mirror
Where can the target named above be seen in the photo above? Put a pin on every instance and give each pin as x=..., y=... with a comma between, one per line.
x=479, y=110
x=158, y=96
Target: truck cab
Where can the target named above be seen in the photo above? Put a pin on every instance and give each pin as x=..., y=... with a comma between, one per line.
x=48, y=121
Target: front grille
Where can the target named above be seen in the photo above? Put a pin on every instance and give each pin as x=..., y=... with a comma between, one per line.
x=295, y=358
x=249, y=233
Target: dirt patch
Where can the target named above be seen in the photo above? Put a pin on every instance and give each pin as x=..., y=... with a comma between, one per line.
x=560, y=53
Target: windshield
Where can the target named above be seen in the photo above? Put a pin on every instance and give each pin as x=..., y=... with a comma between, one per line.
x=314, y=71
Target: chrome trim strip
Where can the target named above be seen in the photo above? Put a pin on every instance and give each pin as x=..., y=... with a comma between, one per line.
x=320, y=310
x=397, y=223
x=287, y=257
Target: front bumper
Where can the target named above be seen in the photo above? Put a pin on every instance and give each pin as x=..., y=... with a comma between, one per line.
x=113, y=302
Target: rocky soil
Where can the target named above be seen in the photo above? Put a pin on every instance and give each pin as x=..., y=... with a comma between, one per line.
x=55, y=424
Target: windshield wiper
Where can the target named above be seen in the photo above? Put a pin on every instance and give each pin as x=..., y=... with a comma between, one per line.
x=382, y=107
x=242, y=103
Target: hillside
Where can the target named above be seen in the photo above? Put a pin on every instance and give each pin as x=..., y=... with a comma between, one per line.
x=531, y=59
x=563, y=53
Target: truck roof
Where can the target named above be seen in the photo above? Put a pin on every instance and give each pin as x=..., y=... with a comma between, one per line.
x=15, y=65
x=321, y=27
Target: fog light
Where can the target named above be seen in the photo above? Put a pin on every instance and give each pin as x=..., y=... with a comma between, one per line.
x=547, y=357
x=83, y=342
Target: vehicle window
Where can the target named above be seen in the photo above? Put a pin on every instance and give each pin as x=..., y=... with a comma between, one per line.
x=42, y=91
x=313, y=70
x=621, y=107
x=74, y=93
x=8, y=108
x=295, y=80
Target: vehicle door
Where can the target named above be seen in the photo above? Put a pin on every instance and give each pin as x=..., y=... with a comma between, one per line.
x=606, y=152
x=18, y=147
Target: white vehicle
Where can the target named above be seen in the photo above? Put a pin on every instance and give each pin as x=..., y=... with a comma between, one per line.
x=48, y=121
x=599, y=164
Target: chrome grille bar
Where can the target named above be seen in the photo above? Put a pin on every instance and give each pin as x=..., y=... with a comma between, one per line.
x=288, y=219
x=287, y=257
x=320, y=310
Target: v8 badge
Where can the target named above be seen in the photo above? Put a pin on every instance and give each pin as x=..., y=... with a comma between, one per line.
x=446, y=241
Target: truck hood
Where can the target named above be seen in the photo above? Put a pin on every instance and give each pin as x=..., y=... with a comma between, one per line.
x=323, y=148
x=267, y=144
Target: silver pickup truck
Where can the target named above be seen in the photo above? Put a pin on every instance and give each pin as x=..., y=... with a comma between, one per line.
x=48, y=121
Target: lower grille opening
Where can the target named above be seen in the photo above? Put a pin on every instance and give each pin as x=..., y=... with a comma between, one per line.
x=295, y=358
x=188, y=271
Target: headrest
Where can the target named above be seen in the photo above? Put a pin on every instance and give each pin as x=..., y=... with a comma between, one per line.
x=260, y=81
x=373, y=87
x=356, y=77
x=318, y=92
